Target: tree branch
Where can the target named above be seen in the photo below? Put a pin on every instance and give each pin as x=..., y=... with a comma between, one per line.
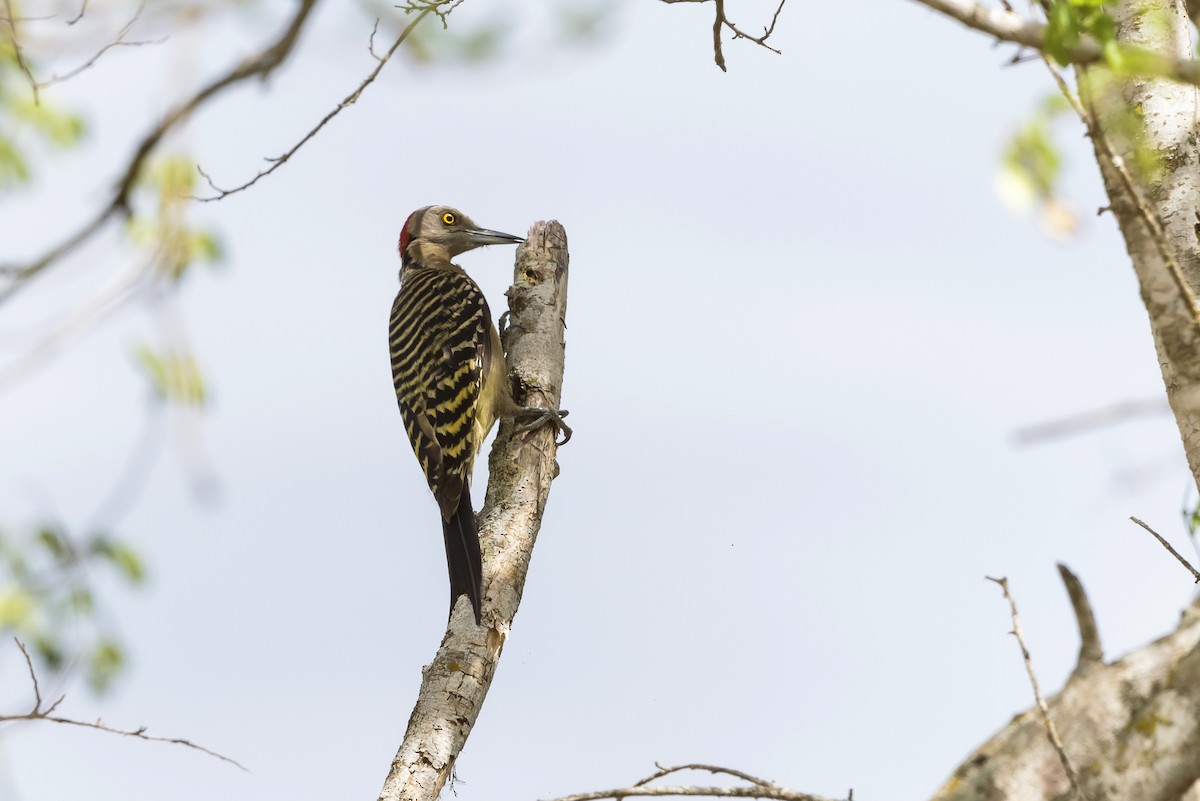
x=79, y=15
x=260, y=66
x=521, y=468
x=721, y=21
x=1171, y=550
x=1157, y=217
x=119, y=41
x=1090, y=651
x=47, y=714
x=1010, y=27
x=1051, y=730
x=1131, y=723
x=758, y=788
x=278, y=161
x=22, y=64
x=1091, y=420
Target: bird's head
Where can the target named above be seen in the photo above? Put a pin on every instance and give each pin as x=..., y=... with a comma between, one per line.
x=435, y=234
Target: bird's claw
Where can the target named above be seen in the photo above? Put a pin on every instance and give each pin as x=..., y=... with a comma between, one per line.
x=502, y=323
x=543, y=416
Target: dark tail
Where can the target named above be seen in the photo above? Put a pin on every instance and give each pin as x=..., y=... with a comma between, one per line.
x=463, y=557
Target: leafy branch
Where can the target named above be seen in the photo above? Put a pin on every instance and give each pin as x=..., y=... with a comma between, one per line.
x=1077, y=32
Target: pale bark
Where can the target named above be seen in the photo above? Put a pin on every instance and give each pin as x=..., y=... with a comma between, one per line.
x=1131, y=728
x=1169, y=112
x=521, y=468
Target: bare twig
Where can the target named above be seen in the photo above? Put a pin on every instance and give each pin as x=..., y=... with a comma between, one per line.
x=720, y=18
x=1051, y=730
x=91, y=62
x=22, y=64
x=1171, y=550
x=440, y=7
x=260, y=66
x=721, y=21
x=758, y=788
x=713, y=769
x=1009, y=27
x=119, y=41
x=37, y=691
x=1090, y=651
x=371, y=41
x=38, y=713
x=79, y=16
x=278, y=161
x=767, y=31
x=1088, y=421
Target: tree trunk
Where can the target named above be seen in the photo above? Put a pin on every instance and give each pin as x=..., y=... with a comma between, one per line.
x=1131, y=728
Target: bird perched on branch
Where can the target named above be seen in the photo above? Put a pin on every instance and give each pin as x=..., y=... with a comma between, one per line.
x=450, y=375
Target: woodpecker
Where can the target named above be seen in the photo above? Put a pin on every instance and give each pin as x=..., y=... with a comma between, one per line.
x=450, y=376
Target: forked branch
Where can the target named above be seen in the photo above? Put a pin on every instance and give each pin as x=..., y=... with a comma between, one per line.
x=42, y=711
x=721, y=21
x=423, y=9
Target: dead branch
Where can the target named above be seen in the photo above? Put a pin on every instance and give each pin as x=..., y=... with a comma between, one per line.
x=1090, y=650
x=47, y=714
x=119, y=41
x=1171, y=550
x=757, y=788
x=1091, y=420
x=79, y=16
x=260, y=66
x=1051, y=731
x=721, y=21
x=276, y=162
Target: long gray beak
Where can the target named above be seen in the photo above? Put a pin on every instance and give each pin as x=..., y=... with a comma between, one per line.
x=483, y=236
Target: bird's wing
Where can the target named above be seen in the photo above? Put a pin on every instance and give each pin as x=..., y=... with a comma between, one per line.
x=439, y=343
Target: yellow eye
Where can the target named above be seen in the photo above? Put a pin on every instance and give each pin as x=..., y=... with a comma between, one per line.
x=448, y=218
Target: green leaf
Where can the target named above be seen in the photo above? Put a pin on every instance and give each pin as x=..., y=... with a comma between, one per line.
x=13, y=167
x=124, y=558
x=51, y=652
x=173, y=176
x=16, y=607
x=1191, y=519
x=55, y=544
x=1062, y=32
x=82, y=601
x=155, y=368
x=204, y=246
x=59, y=128
x=104, y=664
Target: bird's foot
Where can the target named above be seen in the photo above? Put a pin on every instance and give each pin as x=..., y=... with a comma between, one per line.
x=536, y=417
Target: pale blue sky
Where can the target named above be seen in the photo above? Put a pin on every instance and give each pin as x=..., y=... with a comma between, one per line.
x=802, y=330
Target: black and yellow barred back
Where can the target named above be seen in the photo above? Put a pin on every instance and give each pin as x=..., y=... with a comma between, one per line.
x=441, y=353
